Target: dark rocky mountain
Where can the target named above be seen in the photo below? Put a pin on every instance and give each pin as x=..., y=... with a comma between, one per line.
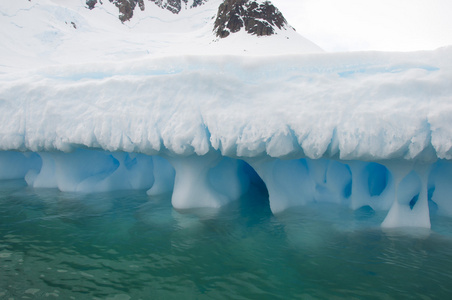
x=257, y=17
x=126, y=7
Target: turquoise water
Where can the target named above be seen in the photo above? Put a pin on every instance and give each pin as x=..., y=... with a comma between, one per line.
x=126, y=245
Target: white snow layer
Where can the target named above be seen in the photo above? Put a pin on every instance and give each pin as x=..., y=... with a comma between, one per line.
x=361, y=129
x=354, y=106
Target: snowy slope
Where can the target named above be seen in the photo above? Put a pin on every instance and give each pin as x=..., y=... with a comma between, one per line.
x=37, y=33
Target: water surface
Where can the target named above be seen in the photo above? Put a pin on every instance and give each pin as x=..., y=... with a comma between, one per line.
x=127, y=245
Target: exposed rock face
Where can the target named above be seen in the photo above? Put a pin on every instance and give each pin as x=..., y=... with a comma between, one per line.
x=257, y=18
x=175, y=6
x=198, y=3
x=91, y=3
x=126, y=8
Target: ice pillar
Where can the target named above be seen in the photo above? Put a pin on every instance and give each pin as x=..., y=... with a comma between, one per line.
x=410, y=206
x=206, y=181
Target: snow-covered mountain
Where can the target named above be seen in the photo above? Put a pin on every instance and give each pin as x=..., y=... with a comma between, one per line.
x=37, y=33
x=257, y=16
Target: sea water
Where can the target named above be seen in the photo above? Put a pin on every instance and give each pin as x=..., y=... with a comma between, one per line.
x=127, y=245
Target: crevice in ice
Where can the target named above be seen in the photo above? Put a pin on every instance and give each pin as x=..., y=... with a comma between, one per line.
x=348, y=190
x=333, y=148
x=377, y=178
x=413, y=201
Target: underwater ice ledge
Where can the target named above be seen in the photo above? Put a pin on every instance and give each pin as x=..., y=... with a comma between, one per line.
x=408, y=190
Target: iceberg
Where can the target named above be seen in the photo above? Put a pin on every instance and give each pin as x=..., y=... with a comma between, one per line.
x=364, y=129
x=158, y=100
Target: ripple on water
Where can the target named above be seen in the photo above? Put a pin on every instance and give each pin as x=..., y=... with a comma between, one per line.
x=130, y=246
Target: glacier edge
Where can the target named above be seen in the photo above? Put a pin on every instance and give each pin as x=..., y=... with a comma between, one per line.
x=360, y=129
x=387, y=107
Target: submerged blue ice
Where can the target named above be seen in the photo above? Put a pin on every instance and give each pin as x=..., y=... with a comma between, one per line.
x=407, y=190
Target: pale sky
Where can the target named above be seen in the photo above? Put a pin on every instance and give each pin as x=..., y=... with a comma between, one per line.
x=384, y=25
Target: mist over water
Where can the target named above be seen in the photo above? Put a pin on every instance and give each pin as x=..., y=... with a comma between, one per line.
x=127, y=245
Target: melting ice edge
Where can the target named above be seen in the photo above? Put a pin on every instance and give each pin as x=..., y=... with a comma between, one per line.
x=354, y=128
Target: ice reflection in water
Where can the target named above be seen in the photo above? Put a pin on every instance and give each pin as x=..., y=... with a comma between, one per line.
x=127, y=245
